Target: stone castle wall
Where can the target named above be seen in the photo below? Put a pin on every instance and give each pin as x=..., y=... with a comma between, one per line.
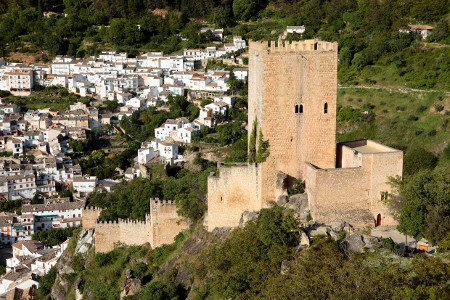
x=165, y=223
x=90, y=216
x=127, y=232
x=160, y=227
x=338, y=194
x=353, y=192
x=234, y=190
x=282, y=77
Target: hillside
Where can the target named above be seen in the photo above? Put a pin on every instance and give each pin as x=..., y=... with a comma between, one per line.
x=269, y=257
x=371, y=48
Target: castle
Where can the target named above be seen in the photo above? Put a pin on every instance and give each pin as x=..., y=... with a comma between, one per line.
x=160, y=227
x=292, y=101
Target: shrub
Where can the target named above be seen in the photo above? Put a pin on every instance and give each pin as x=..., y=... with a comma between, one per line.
x=432, y=132
x=421, y=109
x=297, y=188
x=417, y=159
x=78, y=262
x=439, y=107
x=412, y=118
x=400, y=108
x=389, y=244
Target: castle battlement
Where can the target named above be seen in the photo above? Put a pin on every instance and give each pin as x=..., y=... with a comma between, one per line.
x=281, y=46
x=159, y=227
x=92, y=208
x=162, y=201
x=124, y=221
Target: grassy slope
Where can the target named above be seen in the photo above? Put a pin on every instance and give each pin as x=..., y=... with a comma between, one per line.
x=391, y=125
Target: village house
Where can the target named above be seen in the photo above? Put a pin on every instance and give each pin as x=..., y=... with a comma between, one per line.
x=423, y=30
x=55, y=213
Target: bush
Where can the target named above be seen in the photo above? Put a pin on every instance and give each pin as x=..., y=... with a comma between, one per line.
x=412, y=118
x=46, y=282
x=432, y=132
x=417, y=159
x=439, y=107
x=421, y=109
x=78, y=262
x=298, y=187
x=389, y=244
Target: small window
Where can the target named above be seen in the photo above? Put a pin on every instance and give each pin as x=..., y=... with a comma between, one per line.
x=296, y=108
x=325, y=108
x=301, y=108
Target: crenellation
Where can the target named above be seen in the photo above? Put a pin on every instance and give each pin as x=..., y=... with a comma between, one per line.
x=159, y=227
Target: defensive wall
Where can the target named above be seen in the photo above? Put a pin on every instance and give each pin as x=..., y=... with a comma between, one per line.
x=160, y=227
x=235, y=189
x=128, y=232
x=165, y=223
x=353, y=191
x=90, y=216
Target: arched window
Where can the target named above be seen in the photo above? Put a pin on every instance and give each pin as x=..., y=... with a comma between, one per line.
x=296, y=108
x=301, y=108
x=325, y=108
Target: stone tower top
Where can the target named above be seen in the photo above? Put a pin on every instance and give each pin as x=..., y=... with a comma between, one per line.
x=294, y=46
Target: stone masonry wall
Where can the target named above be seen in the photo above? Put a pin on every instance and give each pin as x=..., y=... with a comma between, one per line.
x=160, y=227
x=127, y=232
x=338, y=194
x=233, y=191
x=165, y=223
x=353, y=193
x=281, y=77
x=90, y=216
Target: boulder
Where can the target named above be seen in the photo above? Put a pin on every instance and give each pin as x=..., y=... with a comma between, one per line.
x=371, y=242
x=338, y=226
x=304, y=239
x=355, y=243
x=320, y=230
x=285, y=266
x=78, y=293
x=248, y=216
x=299, y=204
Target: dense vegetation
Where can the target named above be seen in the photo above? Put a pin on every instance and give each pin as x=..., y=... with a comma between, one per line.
x=54, y=236
x=371, y=48
x=131, y=199
x=261, y=260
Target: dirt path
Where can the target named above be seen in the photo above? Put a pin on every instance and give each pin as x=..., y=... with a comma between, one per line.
x=398, y=89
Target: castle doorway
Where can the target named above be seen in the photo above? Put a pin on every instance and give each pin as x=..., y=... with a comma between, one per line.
x=378, y=221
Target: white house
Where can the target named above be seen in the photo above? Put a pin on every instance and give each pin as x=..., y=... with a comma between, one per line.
x=84, y=185
x=218, y=107
x=185, y=134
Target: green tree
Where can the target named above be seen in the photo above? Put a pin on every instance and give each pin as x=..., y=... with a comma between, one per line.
x=245, y=9
x=263, y=149
x=190, y=206
x=417, y=159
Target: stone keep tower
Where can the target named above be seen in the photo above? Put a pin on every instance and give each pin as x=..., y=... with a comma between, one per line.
x=292, y=97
